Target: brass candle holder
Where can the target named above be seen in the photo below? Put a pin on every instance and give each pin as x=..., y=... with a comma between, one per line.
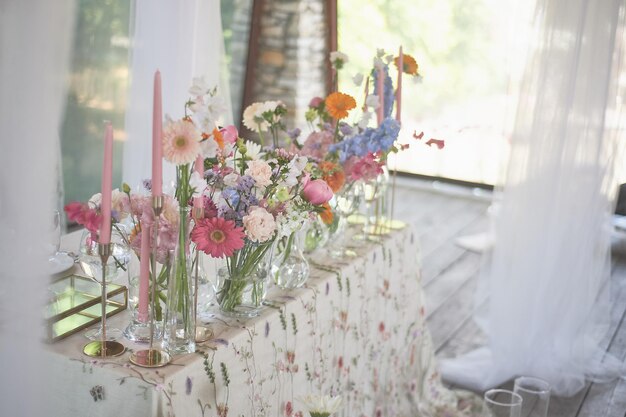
x=203, y=333
x=153, y=357
x=104, y=348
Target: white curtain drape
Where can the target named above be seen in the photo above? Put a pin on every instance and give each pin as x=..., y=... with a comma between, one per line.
x=183, y=39
x=546, y=278
x=35, y=40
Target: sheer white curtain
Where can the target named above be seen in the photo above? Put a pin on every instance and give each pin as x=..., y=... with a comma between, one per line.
x=183, y=39
x=547, y=276
x=35, y=39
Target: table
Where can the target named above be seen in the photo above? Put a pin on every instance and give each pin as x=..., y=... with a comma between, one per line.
x=357, y=329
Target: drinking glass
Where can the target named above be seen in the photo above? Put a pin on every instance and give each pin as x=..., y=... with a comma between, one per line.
x=502, y=403
x=535, y=393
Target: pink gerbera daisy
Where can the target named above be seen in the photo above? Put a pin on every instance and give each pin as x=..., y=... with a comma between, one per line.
x=217, y=237
x=181, y=142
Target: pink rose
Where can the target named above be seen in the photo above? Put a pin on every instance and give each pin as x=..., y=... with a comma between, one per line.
x=317, y=192
x=259, y=225
x=260, y=171
x=230, y=133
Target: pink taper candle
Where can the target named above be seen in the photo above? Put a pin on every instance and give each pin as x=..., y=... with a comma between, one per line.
x=381, y=95
x=399, y=88
x=107, y=172
x=144, y=274
x=198, y=202
x=157, y=141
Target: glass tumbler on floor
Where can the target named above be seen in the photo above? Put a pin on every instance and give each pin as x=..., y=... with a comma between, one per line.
x=535, y=395
x=501, y=403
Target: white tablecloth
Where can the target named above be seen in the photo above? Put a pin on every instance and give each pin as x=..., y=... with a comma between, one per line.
x=357, y=330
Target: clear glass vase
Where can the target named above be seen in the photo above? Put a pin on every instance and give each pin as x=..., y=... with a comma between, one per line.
x=289, y=267
x=313, y=235
x=138, y=329
x=242, y=291
x=344, y=205
x=376, y=204
x=179, y=327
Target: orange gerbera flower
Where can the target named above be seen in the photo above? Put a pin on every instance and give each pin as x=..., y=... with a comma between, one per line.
x=339, y=104
x=326, y=214
x=217, y=135
x=409, y=65
x=333, y=175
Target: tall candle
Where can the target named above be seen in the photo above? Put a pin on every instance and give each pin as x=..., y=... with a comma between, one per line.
x=381, y=95
x=157, y=141
x=399, y=88
x=144, y=274
x=107, y=172
x=198, y=202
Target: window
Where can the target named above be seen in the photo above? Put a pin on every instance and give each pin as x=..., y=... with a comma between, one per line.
x=466, y=92
x=98, y=82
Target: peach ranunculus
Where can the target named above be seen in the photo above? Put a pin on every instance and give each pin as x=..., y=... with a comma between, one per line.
x=259, y=225
x=260, y=171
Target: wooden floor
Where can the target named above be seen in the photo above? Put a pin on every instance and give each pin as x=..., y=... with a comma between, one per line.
x=449, y=276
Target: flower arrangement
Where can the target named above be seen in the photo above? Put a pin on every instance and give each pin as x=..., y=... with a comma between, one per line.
x=258, y=198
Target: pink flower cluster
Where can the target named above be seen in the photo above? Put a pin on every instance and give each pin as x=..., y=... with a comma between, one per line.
x=366, y=168
x=84, y=215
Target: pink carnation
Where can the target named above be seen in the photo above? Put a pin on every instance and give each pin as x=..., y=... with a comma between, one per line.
x=365, y=168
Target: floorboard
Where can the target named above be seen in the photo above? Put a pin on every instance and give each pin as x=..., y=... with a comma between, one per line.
x=450, y=274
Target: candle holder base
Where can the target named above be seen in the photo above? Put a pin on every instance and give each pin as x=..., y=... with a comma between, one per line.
x=203, y=334
x=95, y=349
x=150, y=358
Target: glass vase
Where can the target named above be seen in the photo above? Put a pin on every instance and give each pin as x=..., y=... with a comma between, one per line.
x=376, y=204
x=138, y=329
x=289, y=267
x=313, y=235
x=242, y=291
x=343, y=205
x=179, y=327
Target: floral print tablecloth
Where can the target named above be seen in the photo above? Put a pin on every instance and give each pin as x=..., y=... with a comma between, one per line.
x=357, y=330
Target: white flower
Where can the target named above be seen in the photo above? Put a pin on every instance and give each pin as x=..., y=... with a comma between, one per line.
x=365, y=120
x=378, y=63
x=95, y=200
x=296, y=166
x=198, y=183
x=291, y=220
x=260, y=171
x=373, y=101
x=259, y=225
x=253, y=117
x=253, y=150
x=357, y=79
x=199, y=87
x=338, y=59
x=230, y=180
x=321, y=405
x=380, y=53
x=209, y=148
x=388, y=58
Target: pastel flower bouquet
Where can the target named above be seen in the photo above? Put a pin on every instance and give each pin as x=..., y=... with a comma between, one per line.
x=254, y=199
